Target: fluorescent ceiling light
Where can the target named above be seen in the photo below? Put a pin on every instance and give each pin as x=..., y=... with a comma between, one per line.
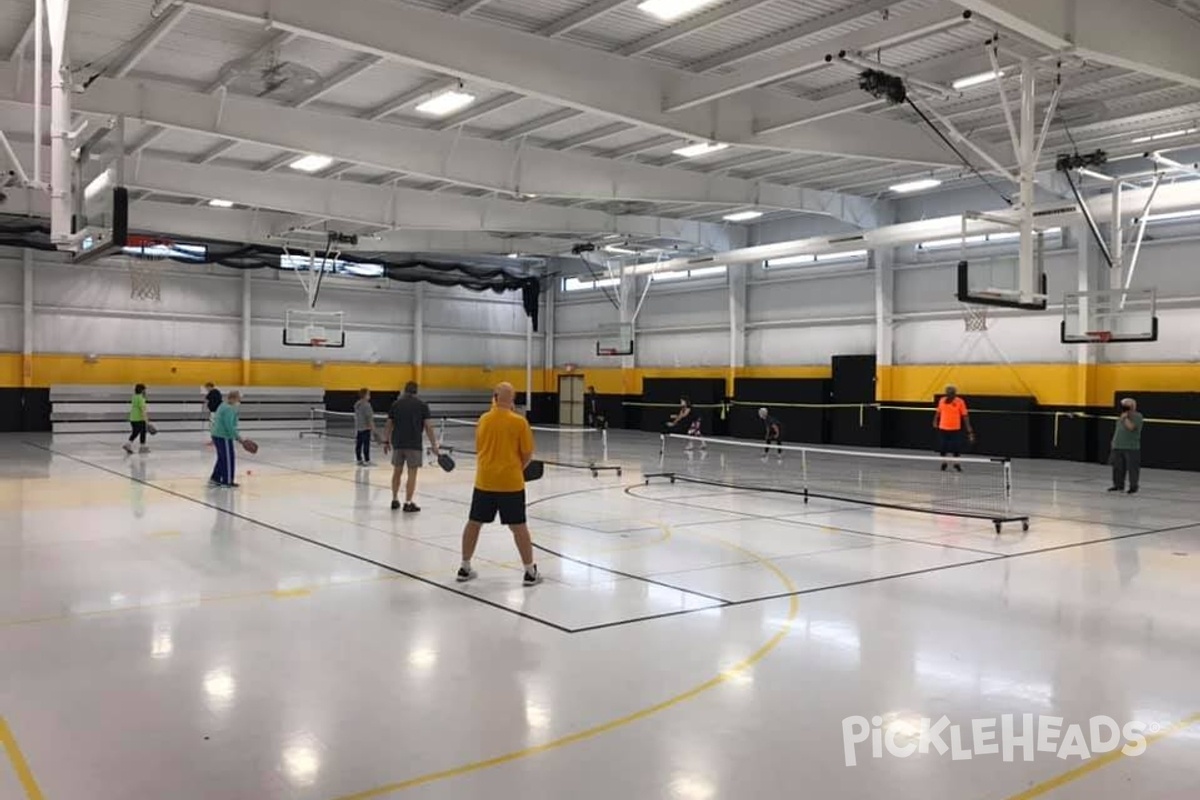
x=620, y=251
x=975, y=80
x=1174, y=215
x=915, y=186
x=791, y=261
x=1168, y=135
x=607, y=282
x=514, y=255
x=708, y=272
x=848, y=255
x=446, y=103
x=742, y=216
x=311, y=163
x=668, y=10
x=216, y=203
x=363, y=270
x=699, y=149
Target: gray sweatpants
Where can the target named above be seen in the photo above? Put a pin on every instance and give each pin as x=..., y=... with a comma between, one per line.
x=1126, y=461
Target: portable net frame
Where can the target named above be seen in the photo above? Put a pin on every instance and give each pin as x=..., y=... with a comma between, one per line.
x=977, y=487
x=556, y=446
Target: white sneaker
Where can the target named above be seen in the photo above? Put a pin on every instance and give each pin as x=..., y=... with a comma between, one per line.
x=128, y=448
x=532, y=577
x=465, y=575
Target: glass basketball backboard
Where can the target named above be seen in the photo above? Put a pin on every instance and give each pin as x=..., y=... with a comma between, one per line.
x=615, y=340
x=1111, y=315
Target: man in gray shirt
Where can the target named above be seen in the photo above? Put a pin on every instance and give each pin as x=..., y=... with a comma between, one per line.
x=364, y=427
x=408, y=418
x=1126, y=454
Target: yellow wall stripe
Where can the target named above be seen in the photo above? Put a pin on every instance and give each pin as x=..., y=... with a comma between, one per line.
x=1051, y=384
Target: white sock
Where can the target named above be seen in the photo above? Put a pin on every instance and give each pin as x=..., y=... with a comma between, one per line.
x=466, y=564
x=530, y=568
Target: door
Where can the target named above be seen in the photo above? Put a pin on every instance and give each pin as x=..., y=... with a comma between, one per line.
x=570, y=399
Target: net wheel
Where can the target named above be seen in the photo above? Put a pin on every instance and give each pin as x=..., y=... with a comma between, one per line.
x=672, y=479
x=646, y=482
x=595, y=474
x=998, y=525
x=618, y=472
x=1025, y=525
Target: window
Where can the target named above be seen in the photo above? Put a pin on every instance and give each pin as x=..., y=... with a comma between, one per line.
x=823, y=258
x=685, y=274
x=982, y=239
x=579, y=284
x=180, y=252
x=337, y=266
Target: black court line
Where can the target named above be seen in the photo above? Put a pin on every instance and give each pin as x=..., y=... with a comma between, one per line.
x=301, y=537
x=884, y=578
x=536, y=546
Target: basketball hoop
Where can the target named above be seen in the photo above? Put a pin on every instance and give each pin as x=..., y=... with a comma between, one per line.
x=318, y=342
x=606, y=351
x=975, y=318
x=1099, y=337
x=145, y=269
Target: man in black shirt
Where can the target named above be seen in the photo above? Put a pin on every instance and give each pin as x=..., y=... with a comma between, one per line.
x=212, y=401
x=408, y=418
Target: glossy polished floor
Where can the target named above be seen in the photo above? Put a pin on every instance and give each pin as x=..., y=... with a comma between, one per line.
x=297, y=639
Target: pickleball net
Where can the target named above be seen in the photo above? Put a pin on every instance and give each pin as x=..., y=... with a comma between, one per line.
x=969, y=486
x=556, y=446
x=339, y=424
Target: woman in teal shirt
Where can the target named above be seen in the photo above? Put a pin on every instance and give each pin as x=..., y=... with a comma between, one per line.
x=224, y=434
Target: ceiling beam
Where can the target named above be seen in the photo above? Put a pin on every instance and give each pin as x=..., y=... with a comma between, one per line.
x=464, y=7
x=537, y=124
x=1139, y=35
x=477, y=110
x=788, y=35
x=583, y=16
x=404, y=99
x=510, y=168
x=577, y=76
x=894, y=30
x=146, y=41
x=18, y=51
x=337, y=79
x=692, y=24
x=395, y=208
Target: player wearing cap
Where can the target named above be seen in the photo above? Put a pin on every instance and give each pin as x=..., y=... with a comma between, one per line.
x=951, y=419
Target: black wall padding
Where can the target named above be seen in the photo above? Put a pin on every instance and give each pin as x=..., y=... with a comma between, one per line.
x=806, y=425
x=1009, y=431
x=24, y=410
x=701, y=391
x=1163, y=445
x=854, y=382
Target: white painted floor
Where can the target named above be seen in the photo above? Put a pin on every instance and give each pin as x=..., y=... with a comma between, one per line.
x=297, y=639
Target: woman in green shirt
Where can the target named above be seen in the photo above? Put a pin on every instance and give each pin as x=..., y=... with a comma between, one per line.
x=139, y=419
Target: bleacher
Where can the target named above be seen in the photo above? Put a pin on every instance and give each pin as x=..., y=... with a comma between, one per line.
x=105, y=409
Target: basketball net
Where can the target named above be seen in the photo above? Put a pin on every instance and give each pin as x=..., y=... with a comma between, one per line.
x=975, y=318
x=145, y=278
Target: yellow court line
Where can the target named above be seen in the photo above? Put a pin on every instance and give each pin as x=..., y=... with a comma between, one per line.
x=726, y=675
x=195, y=601
x=20, y=766
x=1102, y=761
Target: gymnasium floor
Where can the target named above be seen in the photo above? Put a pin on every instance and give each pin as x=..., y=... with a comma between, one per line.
x=297, y=639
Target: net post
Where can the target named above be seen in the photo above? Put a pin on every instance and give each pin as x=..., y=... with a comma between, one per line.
x=604, y=442
x=1007, y=486
x=804, y=473
x=662, y=446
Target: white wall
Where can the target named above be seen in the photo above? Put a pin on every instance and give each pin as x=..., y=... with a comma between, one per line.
x=797, y=316
x=88, y=309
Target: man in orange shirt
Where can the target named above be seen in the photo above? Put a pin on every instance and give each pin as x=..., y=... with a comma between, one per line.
x=950, y=419
x=504, y=447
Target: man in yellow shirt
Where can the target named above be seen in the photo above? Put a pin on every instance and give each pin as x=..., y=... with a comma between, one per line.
x=504, y=447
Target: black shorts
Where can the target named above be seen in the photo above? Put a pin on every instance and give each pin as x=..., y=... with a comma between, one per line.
x=950, y=442
x=510, y=505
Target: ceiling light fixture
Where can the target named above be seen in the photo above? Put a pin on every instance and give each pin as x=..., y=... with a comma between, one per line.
x=620, y=251
x=699, y=149
x=215, y=203
x=670, y=10
x=742, y=216
x=446, y=103
x=915, y=186
x=311, y=163
x=1168, y=135
x=975, y=80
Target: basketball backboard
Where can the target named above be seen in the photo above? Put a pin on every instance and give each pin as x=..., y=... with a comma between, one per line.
x=615, y=340
x=304, y=327
x=1111, y=315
